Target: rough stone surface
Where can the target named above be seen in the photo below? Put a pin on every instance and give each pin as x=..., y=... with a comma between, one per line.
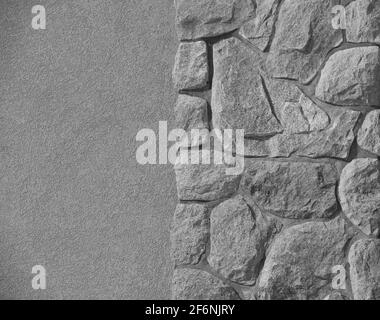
x=260, y=29
x=363, y=21
x=204, y=18
x=364, y=259
x=239, y=98
x=191, y=284
x=189, y=233
x=369, y=133
x=359, y=194
x=301, y=259
x=191, y=70
x=204, y=182
x=351, y=77
x=295, y=190
x=302, y=40
x=239, y=239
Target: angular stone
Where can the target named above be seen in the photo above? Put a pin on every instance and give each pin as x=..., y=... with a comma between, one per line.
x=335, y=141
x=239, y=239
x=191, y=113
x=369, y=133
x=204, y=182
x=363, y=21
x=239, y=98
x=189, y=233
x=351, y=77
x=359, y=194
x=294, y=190
x=191, y=284
x=191, y=71
x=204, y=18
x=299, y=264
x=364, y=260
x=302, y=40
x=259, y=30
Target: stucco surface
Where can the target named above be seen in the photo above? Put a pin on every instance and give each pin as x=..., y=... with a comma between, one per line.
x=72, y=197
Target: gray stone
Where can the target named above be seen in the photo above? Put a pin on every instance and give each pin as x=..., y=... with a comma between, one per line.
x=363, y=21
x=259, y=30
x=204, y=182
x=336, y=295
x=299, y=264
x=364, y=259
x=239, y=239
x=191, y=70
x=204, y=18
x=302, y=40
x=334, y=141
x=295, y=190
x=192, y=284
x=369, y=133
x=351, y=77
x=239, y=99
x=359, y=194
x=189, y=233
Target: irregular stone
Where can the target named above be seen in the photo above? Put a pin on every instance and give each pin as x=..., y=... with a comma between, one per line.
x=336, y=295
x=364, y=260
x=239, y=239
x=299, y=264
x=335, y=141
x=363, y=21
x=295, y=190
x=204, y=18
x=191, y=284
x=189, y=233
x=302, y=40
x=204, y=182
x=191, y=71
x=259, y=30
x=369, y=133
x=359, y=194
x=239, y=98
x=191, y=113
x=351, y=77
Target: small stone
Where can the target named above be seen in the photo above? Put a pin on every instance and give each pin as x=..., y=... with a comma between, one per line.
x=363, y=21
x=364, y=260
x=351, y=77
x=239, y=239
x=191, y=71
x=294, y=190
x=303, y=38
x=369, y=133
x=189, y=233
x=336, y=295
x=197, y=19
x=359, y=194
x=299, y=264
x=192, y=284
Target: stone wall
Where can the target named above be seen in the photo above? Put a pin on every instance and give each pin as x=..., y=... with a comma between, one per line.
x=303, y=219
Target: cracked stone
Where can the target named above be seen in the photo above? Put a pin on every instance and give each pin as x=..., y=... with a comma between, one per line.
x=191, y=70
x=239, y=239
x=369, y=133
x=364, y=260
x=239, y=97
x=192, y=284
x=260, y=29
x=351, y=77
x=189, y=233
x=294, y=190
x=363, y=21
x=299, y=264
x=359, y=194
x=204, y=18
x=303, y=38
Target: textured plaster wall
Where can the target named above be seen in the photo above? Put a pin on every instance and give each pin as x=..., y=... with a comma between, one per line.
x=72, y=197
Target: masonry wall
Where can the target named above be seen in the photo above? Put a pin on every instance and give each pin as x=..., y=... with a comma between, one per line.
x=302, y=221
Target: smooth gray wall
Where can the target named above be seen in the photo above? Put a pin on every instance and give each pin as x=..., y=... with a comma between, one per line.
x=72, y=197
